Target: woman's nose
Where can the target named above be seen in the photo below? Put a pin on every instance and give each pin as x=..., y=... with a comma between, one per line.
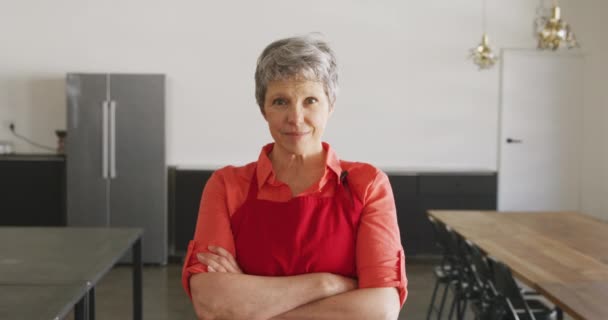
x=295, y=114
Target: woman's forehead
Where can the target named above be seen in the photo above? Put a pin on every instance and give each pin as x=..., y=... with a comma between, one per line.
x=294, y=85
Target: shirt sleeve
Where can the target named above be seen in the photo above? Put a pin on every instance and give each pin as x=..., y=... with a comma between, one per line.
x=380, y=256
x=212, y=228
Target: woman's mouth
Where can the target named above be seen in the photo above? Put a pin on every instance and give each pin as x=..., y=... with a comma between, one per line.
x=296, y=133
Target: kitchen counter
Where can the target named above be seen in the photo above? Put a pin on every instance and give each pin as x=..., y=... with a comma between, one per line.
x=415, y=189
x=32, y=157
x=398, y=171
x=417, y=171
x=33, y=189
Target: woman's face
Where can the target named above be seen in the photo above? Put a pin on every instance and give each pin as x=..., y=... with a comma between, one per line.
x=297, y=111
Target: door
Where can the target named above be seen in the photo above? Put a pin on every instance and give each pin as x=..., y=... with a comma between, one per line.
x=138, y=185
x=87, y=186
x=540, y=136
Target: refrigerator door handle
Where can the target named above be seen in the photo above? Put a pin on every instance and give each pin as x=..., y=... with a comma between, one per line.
x=113, y=173
x=104, y=139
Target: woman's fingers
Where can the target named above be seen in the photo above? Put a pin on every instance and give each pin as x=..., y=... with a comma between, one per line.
x=219, y=260
x=213, y=262
x=224, y=253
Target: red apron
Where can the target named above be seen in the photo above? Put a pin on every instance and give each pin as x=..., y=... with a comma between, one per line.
x=303, y=235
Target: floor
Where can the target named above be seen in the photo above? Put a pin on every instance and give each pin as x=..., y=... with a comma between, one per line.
x=165, y=299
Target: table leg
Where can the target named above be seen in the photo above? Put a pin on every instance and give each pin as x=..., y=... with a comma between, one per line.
x=81, y=309
x=137, y=282
x=92, y=303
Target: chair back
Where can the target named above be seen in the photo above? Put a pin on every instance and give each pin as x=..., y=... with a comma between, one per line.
x=506, y=286
x=440, y=234
x=480, y=267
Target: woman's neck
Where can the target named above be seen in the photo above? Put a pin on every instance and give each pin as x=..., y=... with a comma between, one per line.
x=290, y=167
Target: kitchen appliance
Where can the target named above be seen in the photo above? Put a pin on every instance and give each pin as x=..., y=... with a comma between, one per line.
x=115, y=153
x=60, y=141
x=6, y=147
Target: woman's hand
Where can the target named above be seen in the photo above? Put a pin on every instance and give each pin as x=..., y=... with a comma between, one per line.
x=343, y=284
x=219, y=260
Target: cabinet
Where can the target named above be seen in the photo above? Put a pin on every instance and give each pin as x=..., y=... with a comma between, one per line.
x=414, y=193
x=409, y=217
x=185, y=191
x=32, y=190
x=473, y=191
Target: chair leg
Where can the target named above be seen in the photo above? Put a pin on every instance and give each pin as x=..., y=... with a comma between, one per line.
x=463, y=310
x=445, y=292
x=432, y=304
x=455, y=304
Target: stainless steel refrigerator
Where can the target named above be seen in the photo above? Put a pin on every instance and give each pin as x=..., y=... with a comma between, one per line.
x=115, y=148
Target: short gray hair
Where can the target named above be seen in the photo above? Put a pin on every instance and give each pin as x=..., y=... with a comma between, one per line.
x=308, y=57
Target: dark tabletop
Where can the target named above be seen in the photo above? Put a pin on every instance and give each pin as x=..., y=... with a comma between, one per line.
x=48, y=255
x=58, y=301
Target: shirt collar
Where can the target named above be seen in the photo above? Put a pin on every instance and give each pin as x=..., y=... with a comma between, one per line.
x=332, y=161
x=264, y=165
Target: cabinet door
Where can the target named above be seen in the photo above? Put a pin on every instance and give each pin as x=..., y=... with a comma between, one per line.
x=414, y=195
x=138, y=186
x=408, y=214
x=189, y=185
x=33, y=192
x=87, y=189
x=448, y=192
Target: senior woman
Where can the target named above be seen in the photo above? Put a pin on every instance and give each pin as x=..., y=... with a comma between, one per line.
x=299, y=233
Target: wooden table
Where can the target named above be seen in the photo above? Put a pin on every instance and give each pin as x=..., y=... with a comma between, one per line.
x=563, y=255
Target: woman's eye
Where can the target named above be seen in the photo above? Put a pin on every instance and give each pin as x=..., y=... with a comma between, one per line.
x=311, y=100
x=279, y=102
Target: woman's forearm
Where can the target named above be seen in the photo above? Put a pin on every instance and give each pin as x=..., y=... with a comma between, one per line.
x=372, y=303
x=239, y=296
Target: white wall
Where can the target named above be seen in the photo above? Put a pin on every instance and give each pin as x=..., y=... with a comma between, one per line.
x=409, y=96
x=589, y=20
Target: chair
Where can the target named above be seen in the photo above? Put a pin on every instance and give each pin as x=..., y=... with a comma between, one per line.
x=445, y=273
x=517, y=305
x=469, y=288
x=490, y=305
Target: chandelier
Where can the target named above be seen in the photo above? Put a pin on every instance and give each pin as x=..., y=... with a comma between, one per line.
x=553, y=31
x=482, y=55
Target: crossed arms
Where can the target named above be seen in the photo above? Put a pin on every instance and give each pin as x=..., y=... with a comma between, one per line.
x=226, y=293
x=221, y=291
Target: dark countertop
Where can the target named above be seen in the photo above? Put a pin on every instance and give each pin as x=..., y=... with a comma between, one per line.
x=440, y=171
x=32, y=157
x=398, y=171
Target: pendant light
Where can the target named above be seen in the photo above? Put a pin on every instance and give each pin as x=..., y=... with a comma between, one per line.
x=552, y=31
x=482, y=55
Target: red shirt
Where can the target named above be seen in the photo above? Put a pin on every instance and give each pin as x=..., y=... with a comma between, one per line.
x=379, y=256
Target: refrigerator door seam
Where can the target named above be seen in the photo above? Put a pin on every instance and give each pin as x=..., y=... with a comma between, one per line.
x=113, y=173
x=104, y=139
